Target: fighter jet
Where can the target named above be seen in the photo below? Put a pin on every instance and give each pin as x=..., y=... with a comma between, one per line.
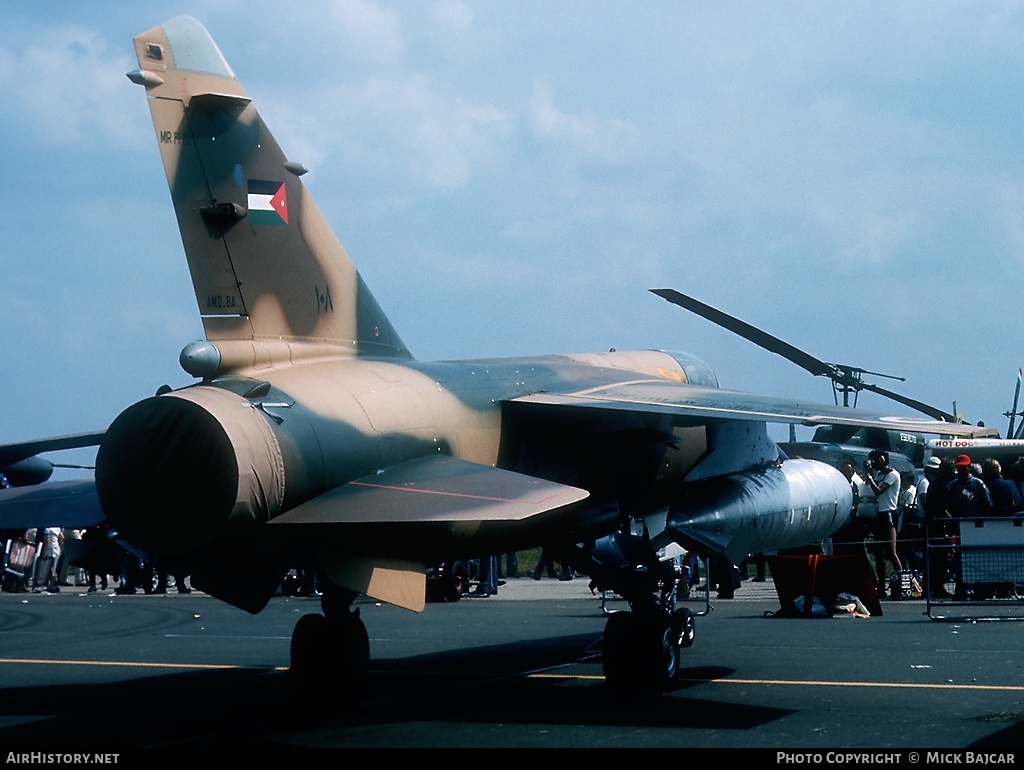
x=61, y=503
x=312, y=429
x=22, y=465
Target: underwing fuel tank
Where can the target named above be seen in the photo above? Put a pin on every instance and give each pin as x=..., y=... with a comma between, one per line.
x=781, y=506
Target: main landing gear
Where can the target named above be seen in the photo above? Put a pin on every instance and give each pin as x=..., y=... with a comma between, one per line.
x=641, y=648
x=332, y=648
x=640, y=652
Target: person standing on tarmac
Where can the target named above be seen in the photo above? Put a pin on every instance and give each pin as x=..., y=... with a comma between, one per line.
x=885, y=483
x=909, y=528
x=939, y=528
x=50, y=542
x=930, y=473
x=849, y=538
x=1006, y=499
x=1016, y=475
x=968, y=498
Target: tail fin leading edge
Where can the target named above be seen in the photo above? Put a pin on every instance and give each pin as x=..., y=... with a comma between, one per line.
x=265, y=264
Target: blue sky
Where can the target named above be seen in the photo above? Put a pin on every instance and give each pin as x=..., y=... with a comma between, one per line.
x=511, y=179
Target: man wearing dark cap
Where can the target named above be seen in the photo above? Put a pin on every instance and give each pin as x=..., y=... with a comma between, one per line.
x=967, y=498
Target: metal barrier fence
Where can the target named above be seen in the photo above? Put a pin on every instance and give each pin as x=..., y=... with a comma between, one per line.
x=975, y=570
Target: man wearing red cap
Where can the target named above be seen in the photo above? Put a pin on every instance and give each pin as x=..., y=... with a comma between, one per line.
x=967, y=498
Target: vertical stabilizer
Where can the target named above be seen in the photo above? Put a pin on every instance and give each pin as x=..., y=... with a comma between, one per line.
x=265, y=264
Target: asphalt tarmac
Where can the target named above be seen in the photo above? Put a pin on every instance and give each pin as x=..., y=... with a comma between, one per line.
x=103, y=673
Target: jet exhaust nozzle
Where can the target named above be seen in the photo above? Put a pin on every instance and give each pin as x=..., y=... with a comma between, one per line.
x=175, y=470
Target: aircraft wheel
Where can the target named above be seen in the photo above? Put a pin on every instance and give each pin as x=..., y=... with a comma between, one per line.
x=330, y=651
x=434, y=591
x=683, y=622
x=659, y=654
x=310, y=646
x=456, y=581
x=353, y=652
x=619, y=651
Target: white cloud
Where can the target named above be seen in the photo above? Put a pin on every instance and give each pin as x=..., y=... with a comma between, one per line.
x=410, y=128
x=68, y=85
x=367, y=31
x=587, y=136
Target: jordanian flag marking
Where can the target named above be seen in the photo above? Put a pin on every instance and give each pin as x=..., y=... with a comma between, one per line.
x=268, y=202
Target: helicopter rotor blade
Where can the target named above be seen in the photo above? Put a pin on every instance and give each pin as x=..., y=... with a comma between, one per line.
x=755, y=335
x=920, y=406
x=845, y=379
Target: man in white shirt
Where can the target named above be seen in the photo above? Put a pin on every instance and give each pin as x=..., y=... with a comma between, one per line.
x=931, y=470
x=885, y=483
x=849, y=538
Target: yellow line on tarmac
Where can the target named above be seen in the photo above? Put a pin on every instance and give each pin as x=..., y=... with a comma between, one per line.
x=815, y=683
x=127, y=664
x=538, y=675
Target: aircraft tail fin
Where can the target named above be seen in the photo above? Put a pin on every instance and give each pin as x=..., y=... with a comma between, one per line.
x=267, y=269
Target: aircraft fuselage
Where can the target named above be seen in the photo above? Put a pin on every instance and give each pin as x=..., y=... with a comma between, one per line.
x=251, y=447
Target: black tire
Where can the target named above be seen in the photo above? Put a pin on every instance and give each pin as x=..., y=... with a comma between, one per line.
x=640, y=657
x=331, y=652
x=310, y=646
x=435, y=591
x=455, y=582
x=352, y=661
x=684, y=624
x=619, y=651
x=659, y=654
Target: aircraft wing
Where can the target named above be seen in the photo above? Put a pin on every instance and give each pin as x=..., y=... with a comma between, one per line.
x=435, y=489
x=66, y=504
x=401, y=510
x=22, y=450
x=701, y=404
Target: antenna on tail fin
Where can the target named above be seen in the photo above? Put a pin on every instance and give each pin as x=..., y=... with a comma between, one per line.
x=272, y=281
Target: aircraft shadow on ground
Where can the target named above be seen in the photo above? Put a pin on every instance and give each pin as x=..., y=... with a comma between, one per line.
x=250, y=708
x=1011, y=737
x=253, y=707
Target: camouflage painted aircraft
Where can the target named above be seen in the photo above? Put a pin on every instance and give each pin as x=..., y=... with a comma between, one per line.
x=313, y=427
